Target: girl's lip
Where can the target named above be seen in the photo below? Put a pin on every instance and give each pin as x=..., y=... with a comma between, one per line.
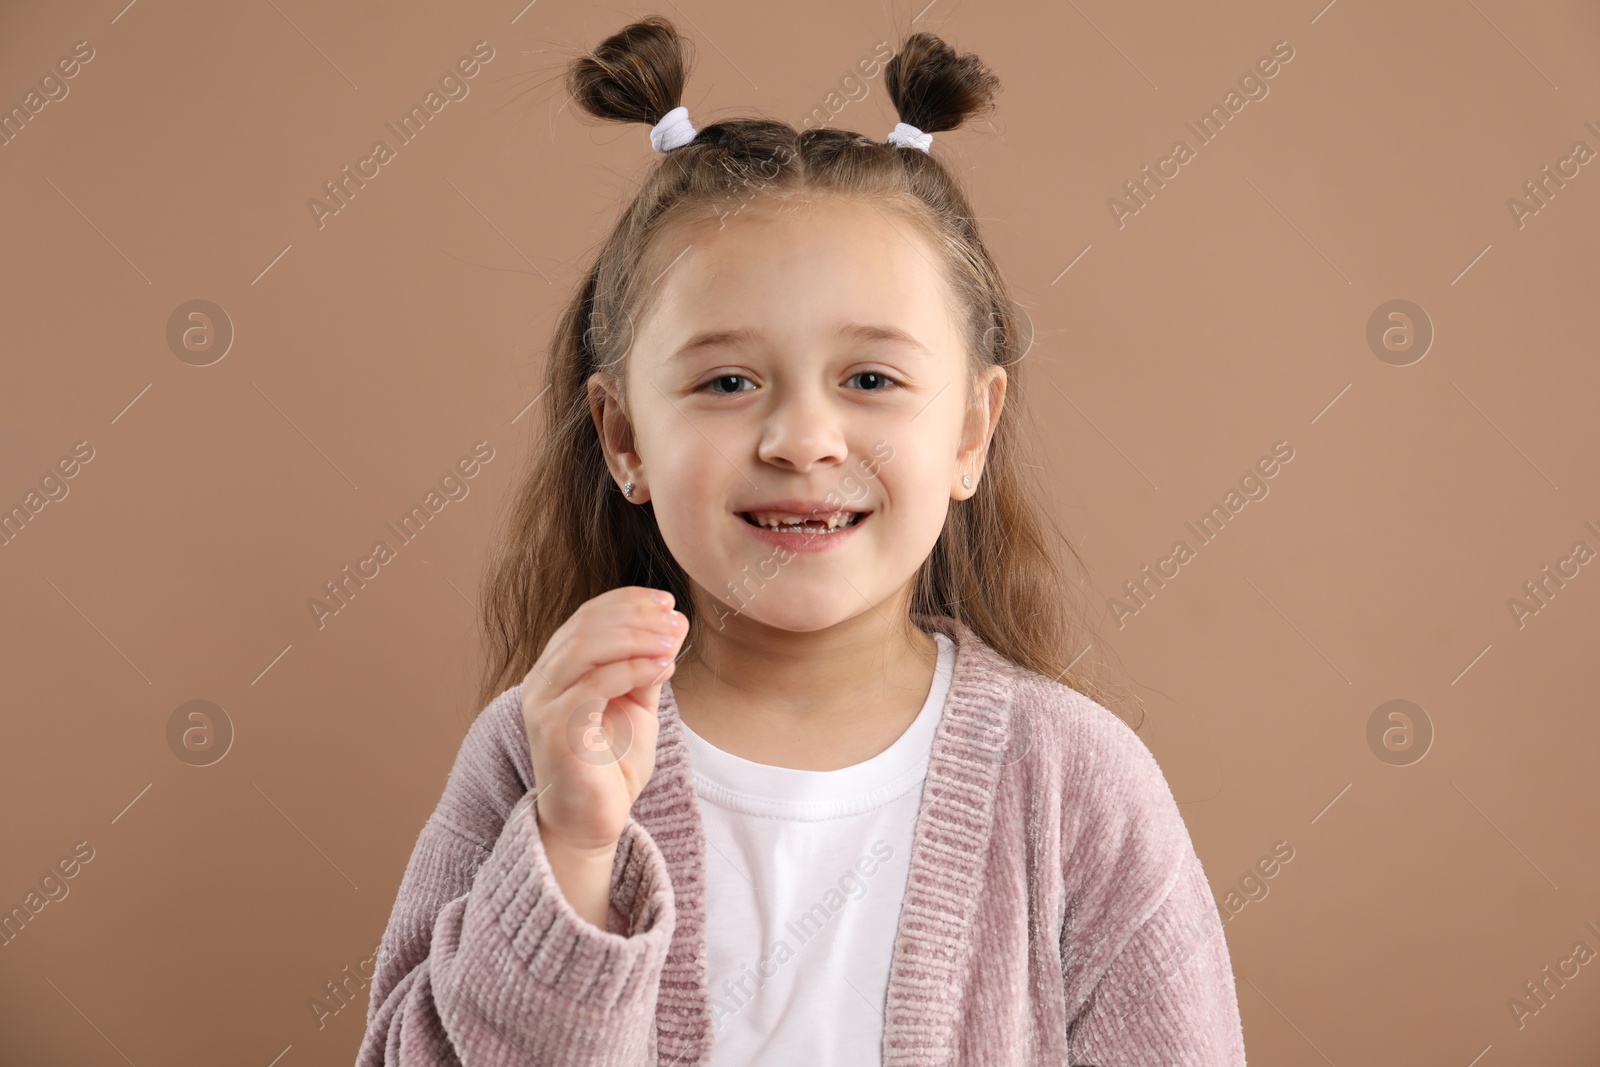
x=804, y=542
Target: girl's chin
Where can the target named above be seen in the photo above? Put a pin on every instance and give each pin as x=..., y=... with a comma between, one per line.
x=789, y=617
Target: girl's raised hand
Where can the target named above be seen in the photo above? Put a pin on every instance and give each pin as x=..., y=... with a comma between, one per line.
x=590, y=706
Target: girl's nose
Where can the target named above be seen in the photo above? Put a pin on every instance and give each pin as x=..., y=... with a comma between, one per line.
x=801, y=432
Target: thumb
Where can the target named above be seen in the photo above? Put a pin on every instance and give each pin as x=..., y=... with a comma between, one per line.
x=648, y=696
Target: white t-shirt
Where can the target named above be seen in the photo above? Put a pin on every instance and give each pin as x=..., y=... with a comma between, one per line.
x=805, y=874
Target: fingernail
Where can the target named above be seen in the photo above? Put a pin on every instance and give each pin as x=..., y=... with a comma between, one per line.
x=662, y=598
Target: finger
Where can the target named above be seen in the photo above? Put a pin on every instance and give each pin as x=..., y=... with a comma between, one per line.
x=613, y=680
x=609, y=688
x=648, y=696
x=595, y=646
x=626, y=606
x=601, y=613
x=551, y=726
x=640, y=595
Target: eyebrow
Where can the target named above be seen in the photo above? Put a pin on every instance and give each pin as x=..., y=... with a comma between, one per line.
x=745, y=335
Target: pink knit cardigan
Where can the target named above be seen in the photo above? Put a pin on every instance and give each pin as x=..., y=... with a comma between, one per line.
x=1055, y=911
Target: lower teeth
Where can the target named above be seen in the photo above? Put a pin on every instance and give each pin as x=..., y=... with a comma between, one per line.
x=808, y=529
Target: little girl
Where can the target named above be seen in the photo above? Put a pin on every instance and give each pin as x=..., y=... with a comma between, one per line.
x=865, y=821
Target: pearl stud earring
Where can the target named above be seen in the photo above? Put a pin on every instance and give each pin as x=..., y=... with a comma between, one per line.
x=966, y=481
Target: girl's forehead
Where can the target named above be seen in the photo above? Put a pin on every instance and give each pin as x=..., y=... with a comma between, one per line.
x=838, y=253
x=814, y=220
x=694, y=326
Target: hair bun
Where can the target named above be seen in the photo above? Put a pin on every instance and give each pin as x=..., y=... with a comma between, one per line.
x=933, y=88
x=635, y=75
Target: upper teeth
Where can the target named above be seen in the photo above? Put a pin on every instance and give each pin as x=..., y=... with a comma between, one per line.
x=837, y=519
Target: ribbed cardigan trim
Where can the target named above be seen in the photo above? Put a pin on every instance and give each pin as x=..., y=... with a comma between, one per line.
x=970, y=748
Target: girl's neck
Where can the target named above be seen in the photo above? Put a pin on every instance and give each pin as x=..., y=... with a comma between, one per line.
x=812, y=701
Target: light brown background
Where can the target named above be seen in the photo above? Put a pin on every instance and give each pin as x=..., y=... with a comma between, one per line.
x=1230, y=313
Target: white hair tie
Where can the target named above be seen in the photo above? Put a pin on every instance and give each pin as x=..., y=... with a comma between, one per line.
x=908, y=136
x=673, y=131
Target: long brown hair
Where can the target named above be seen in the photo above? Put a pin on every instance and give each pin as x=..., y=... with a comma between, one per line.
x=570, y=535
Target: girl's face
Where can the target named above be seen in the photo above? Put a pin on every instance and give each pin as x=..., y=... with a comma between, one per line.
x=799, y=351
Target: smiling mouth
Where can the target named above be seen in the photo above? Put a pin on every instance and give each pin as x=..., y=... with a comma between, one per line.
x=808, y=526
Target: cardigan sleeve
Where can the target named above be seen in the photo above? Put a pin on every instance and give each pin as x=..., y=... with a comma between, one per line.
x=1168, y=997
x=1146, y=969
x=485, y=963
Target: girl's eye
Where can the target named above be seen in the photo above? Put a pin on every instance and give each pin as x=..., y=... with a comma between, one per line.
x=880, y=376
x=882, y=380
x=722, y=378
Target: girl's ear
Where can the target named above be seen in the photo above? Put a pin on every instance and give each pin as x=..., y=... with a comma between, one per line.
x=615, y=431
x=982, y=418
